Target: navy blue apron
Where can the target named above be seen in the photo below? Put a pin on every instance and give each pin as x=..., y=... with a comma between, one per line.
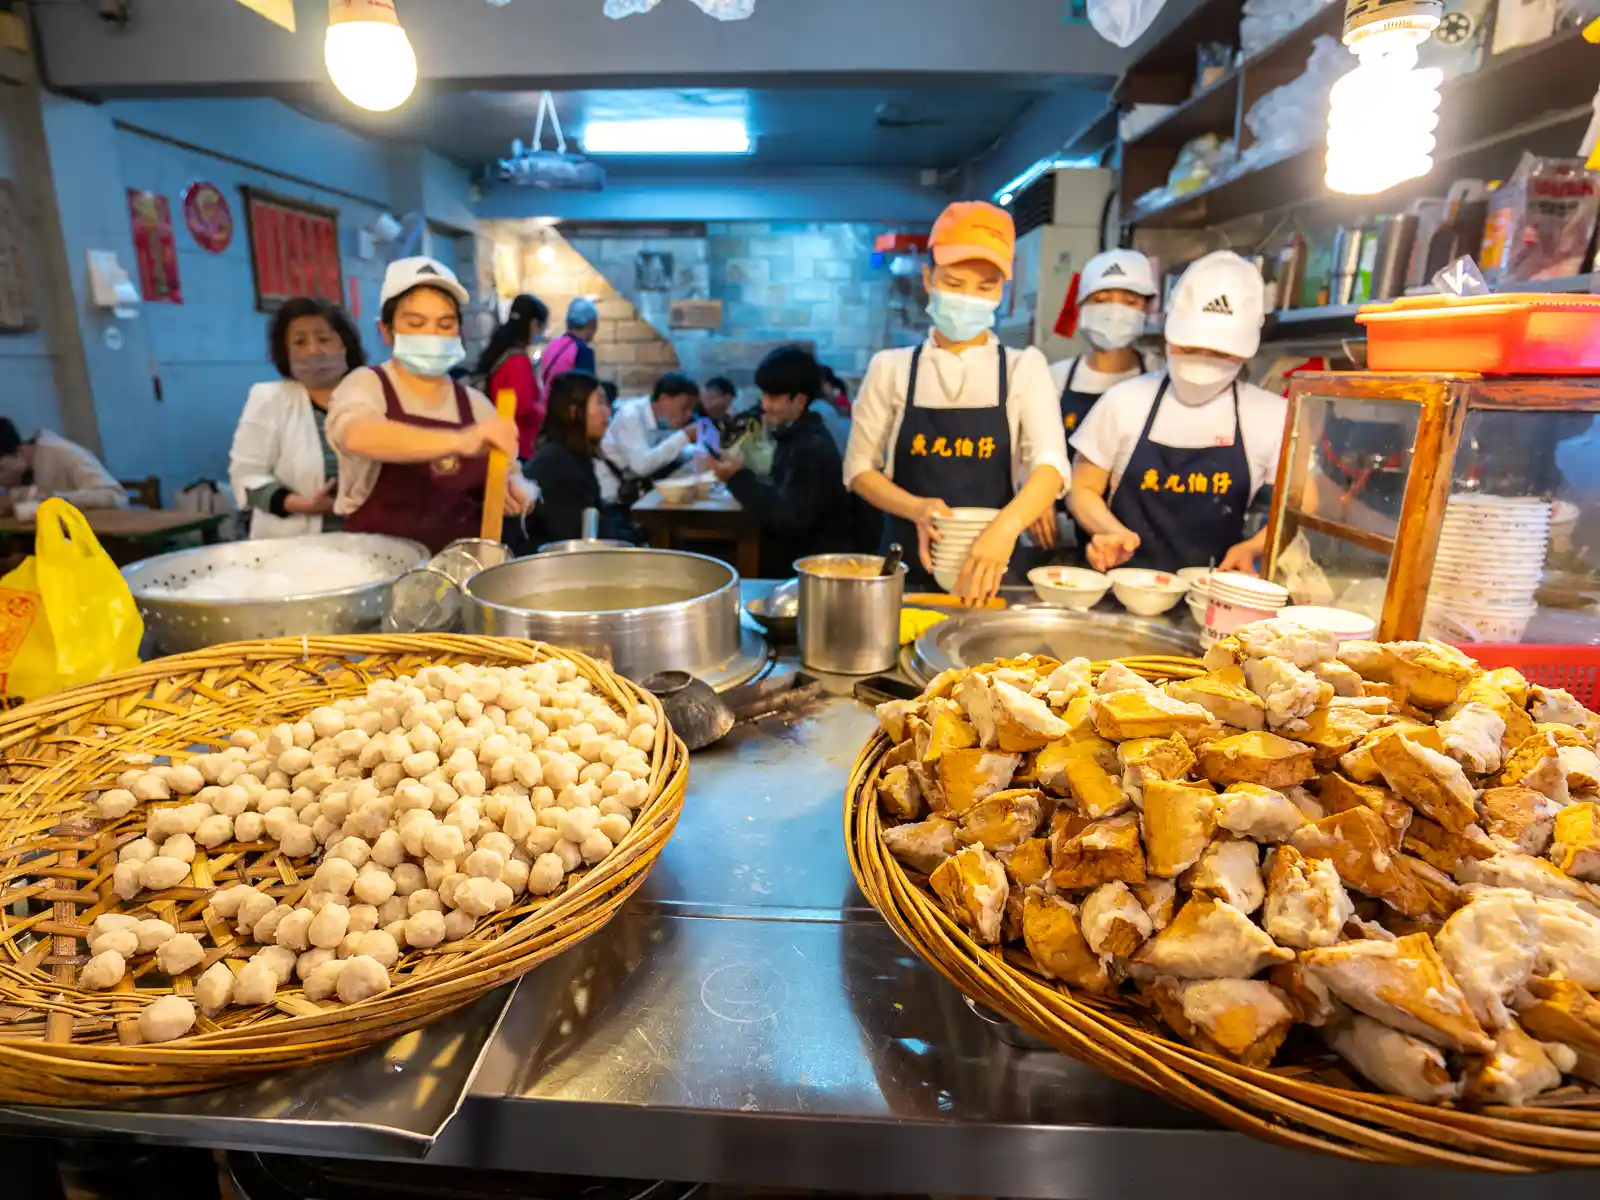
x=1186, y=504
x=960, y=455
x=1075, y=407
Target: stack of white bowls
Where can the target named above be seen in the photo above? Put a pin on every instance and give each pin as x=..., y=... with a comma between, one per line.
x=957, y=532
x=1198, y=579
x=1490, y=561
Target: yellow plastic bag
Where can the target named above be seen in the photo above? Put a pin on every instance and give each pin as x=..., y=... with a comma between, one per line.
x=66, y=615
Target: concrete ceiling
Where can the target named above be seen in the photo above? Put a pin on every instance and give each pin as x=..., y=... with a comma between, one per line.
x=928, y=126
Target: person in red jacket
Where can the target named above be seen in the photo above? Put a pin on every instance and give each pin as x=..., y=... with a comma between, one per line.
x=505, y=363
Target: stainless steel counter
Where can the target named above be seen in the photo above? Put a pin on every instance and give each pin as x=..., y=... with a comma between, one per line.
x=748, y=1019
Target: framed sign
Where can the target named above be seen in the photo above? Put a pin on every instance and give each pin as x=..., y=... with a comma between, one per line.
x=154, y=247
x=210, y=220
x=17, y=312
x=294, y=249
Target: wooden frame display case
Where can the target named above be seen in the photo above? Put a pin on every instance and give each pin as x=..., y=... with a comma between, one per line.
x=1372, y=461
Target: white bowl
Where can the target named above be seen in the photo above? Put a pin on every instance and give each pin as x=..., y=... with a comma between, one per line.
x=1196, y=577
x=946, y=577
x=1197, y=607
x=1341, y=622
x=680, y=491
x=1145, y=592
x=1072, y=587
x=979, y=516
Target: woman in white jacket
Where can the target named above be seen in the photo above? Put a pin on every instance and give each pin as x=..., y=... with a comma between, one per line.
x=281, y=467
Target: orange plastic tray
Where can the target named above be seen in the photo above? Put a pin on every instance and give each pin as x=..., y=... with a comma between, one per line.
x=1520, y=333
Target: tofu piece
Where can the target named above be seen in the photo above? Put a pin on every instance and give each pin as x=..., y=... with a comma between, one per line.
x=1306, y=904
x=1276, y=637
x=1443, y=850
x=1343, y=680
x=1258, y=813
x=1002, y=821
x=1434, y=784
x=1263, y=758
x=1028, y=864
x=1102, y=851
x=1114, y=923
x=1289, y=693
x=1518, y=819
x=1512, y=682
x=972, y=884
x=1080, y=771
x=1051, y=932
x=1569, y=942
x=1225, y=695
x=1575, y=847
x=923, y=845
x=1022, y=722
x=1434, y=673
x=1229, y=871
x=1335, y=730
x=1122, y=716
x=1242, y=1019
x=1534, y=875
x=1068, y=682
x=1491, y=946
x=892, y=716
x=1359, y=764
x=1312, y=1003
x=968, y=775
x=1582, y=766
x=1536, y=764
x=1211, y=940
x=898, y=794
x=1514, y=1072
x=1404, y=984
x=945, y=683
x=1558, y=706
x=1050, y=764
x=1178, y=821
x=1356, y=841
x=1558, y=1010
x=1338, y=794
x=1144, y=759
x=1160, y=899
x=1119, y=677
x=1396, y=1062
x=1472, y=737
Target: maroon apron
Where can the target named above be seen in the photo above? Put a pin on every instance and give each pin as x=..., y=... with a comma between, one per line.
x=432, y=502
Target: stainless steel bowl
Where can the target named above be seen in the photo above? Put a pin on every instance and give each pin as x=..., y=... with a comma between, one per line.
x=178, y=625
x=1063, y=633
x=699, y=634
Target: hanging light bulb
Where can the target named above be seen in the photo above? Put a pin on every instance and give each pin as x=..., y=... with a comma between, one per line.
x=1382, y=115
x=369, y=57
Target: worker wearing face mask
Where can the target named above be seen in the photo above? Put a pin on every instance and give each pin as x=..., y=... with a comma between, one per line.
x=1167, y=464
x=412, y=441
x=959, y=421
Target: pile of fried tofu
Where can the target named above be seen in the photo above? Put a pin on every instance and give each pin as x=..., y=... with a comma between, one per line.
x=1383, y=843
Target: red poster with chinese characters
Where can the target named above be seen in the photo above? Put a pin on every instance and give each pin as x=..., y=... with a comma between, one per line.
x=294, y=249
x=154, y=247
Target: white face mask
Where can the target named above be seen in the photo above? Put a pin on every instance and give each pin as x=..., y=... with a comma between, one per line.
x=1196, y=379
x=1109, y=326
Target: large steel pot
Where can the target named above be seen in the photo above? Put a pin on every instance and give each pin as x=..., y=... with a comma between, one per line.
x=698, y=633
x=176, y=625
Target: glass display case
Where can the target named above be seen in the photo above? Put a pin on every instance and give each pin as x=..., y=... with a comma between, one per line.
x=1453, y=506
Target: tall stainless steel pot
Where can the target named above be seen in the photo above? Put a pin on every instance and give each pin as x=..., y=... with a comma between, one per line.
x=695, y=635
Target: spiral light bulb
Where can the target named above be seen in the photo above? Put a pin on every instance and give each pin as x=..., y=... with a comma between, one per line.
x=369, y=57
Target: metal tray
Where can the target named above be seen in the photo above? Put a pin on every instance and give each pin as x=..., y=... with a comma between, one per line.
x=1042, y=629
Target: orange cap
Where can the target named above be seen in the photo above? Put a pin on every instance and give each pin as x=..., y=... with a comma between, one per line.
x=971, y=229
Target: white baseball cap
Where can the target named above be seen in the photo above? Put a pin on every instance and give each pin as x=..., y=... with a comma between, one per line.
x=406, y=273
x=1218, y=305
x=1125, y=269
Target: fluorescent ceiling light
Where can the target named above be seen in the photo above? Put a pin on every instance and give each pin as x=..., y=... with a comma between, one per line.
x=667, y=135
x=1006, y=194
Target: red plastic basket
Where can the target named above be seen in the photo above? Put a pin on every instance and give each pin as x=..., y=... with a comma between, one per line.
x=1575, y=668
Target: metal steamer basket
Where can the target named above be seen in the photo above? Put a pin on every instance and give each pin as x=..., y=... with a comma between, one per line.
x=177, y=625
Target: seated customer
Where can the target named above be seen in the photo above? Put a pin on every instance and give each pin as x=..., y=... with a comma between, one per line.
x=56, y=467
x=564, y=463
x=717, y=399
x=650, y=436
x=804, y=509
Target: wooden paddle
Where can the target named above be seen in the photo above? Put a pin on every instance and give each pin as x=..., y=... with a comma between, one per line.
x=494, y=487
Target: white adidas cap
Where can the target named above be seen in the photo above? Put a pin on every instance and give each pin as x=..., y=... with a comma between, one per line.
x=1125, y=269
x=1218, y=305
x=406, y=273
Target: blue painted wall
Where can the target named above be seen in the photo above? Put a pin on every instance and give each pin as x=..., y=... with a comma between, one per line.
x=27, y=376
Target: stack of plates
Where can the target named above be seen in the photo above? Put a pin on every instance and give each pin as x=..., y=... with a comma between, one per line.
x=1490, y=561
x=957, y=532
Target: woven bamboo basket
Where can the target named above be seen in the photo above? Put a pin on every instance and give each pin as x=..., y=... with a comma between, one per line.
x=1307, y=1105
x=60, y=1044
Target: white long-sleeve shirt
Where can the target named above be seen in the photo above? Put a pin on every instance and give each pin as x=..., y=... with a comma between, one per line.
x=969, y=379
x=65, y=469
x=633, y=440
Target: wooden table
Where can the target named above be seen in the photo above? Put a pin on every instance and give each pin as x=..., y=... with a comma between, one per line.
x=129, y=534
x=720, y=518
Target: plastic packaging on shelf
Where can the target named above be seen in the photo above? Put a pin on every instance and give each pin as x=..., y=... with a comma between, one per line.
x=1540, y=221
x=1265, y=21
x=1122, y=22
x=1295, y=115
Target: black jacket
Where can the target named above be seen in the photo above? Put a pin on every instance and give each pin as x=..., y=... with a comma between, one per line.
x=804, y=509
x=567, y=486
